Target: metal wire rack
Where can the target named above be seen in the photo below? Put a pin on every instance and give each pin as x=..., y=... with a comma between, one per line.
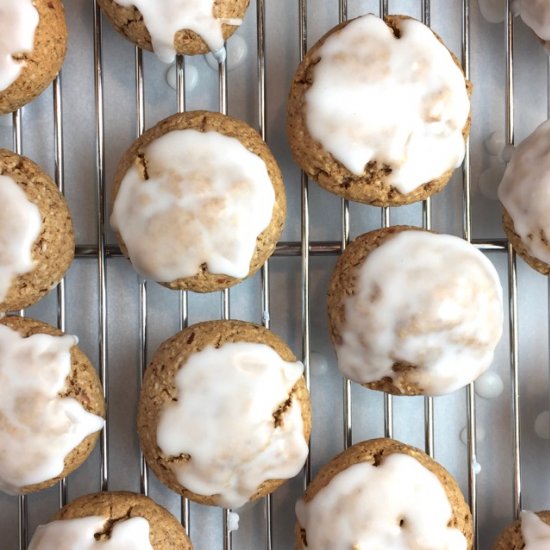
x=304, y=249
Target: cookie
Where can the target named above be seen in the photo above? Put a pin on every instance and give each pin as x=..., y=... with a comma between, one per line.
x=36, y=233
x=379, y=111
x=168, y=29
x=413, y=312
x=116, y=517
x=531, y=528
x=224, y=414
x=198, y=202
x=51, y=406
x=382, y=493
x=523, y=193
x=34, y=42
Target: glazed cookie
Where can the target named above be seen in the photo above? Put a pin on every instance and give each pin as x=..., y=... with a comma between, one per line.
x=169, y=28
x=51, y=405
x=379, y=111
x=36, y=233
x=33, y=46
x=524, y=194
x=199, y=202
x=530, y=532
x=413, y=312
x=536, y=15
x=224, y=414
x=383, y=494
x=114, y=520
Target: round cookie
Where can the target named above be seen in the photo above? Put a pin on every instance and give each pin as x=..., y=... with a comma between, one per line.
x=131, y=23
x=512, y=538
x=218, y=199
x=367, y=130
x=82, y=385
x=414, y=313
x=42, y=61
x=53, y=250
x=393, y=500
x=240, y=418
x=115, y=508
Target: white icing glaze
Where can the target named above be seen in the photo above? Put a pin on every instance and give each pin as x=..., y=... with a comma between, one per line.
x=535, y=532
x=401, y=102
x=20, y=225
x=489, y=385
x=78, y=534
x=542, y=425
x=536, y=14
x=18, y=22
x=164, y=18
x=206, y=201
x=429, y=300
x=224, y=420
x=525, y=191
x=362, y=507
x=38, y=428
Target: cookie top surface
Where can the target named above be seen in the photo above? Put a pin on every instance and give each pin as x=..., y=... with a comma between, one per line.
x=535, y=530
x=536, y=14
x=398, y=100
x=525, y=192
x=41, y=424
x=418, y=299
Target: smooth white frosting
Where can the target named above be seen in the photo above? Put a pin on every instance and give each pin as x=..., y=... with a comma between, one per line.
x=18, y=22
x=400, y=102
x=78, y=534
x=535, y=532
x=164, y=18
x=38, y=428
x=536, y=14
x=361, y=508
x=206, y=200
x=20, y=225
x=425, y=299
x=525, y=192
x=223, y=419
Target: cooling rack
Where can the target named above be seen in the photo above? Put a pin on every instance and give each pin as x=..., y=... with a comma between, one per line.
x=110, y=92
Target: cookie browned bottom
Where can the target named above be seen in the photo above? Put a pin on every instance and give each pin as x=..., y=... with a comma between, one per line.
x=82, y=385
x=374, y=452
x=342, y=286
x=519, y=245
x=128, y=21
x=166, y=532
x=371, y=187
x=159, y=389
x=205, y=121
x=44, y=62
x=53, y=250
x=512, y=539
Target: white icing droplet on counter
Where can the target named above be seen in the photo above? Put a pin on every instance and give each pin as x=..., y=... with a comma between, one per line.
x=535, y=14
x=223, y=419
x=494, y=143
x=398, y=504
x=399, y=101
x=18, y=22
x=480, y=434
x=206, y=199
x=489, y=385
x=477, y=468
x=542, y=425
x=164, y=18
x=489, y=180
x=78, y=534
x=233, y=522
x=20, y=225
x=191, y=77
x=493, y=11
x=507, y=152
x=429, y=300
x=535, y=532
x=525, y=192
x=236, y=54
x=38, y=428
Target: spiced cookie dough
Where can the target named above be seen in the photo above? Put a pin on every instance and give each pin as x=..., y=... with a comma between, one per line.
x=530, y=532
x=51, y=405
x=119, y=519
x=524, y=194
x=379, y=111
x=382, y=493
x=198, y=202
x=413, y=312
x=224, y=414
x=36, y=233
x=34, y=42
x=168, y=29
